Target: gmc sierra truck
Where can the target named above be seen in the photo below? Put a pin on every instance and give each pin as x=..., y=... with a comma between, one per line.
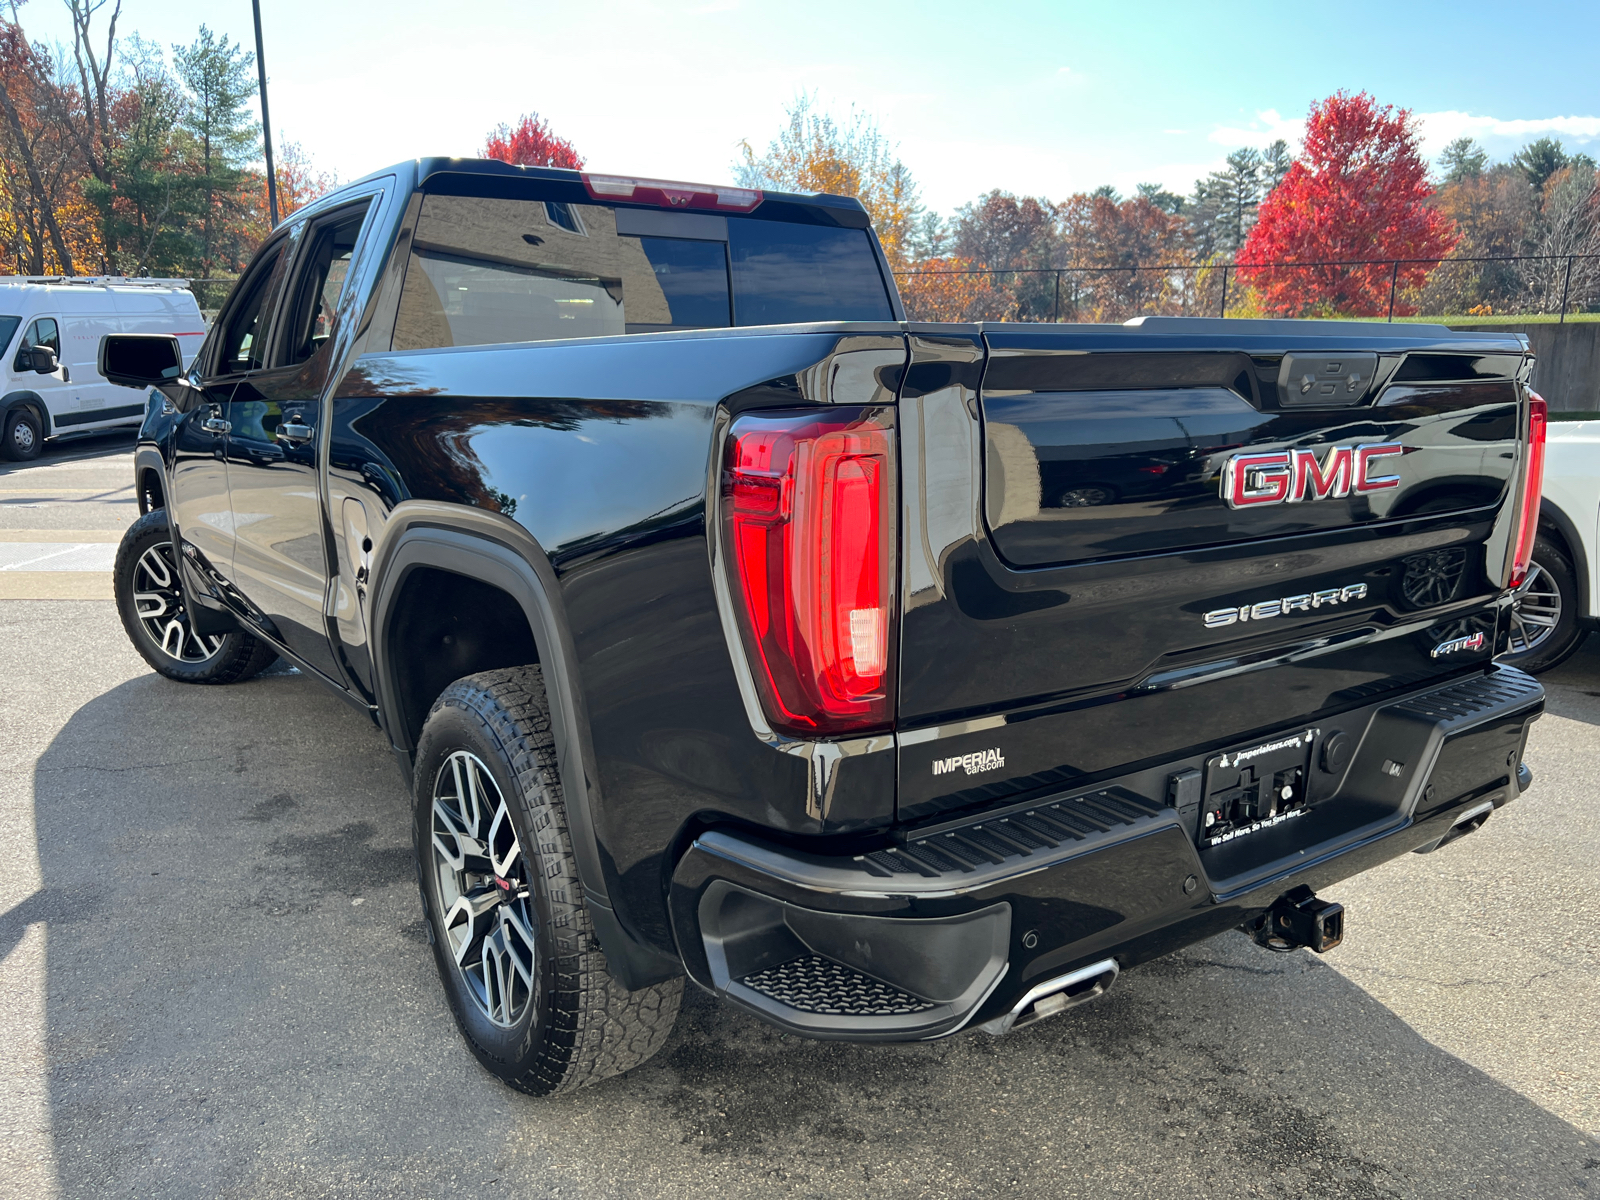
x=886, y=679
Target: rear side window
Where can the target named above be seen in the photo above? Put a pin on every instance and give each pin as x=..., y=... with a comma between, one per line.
x=485, y=271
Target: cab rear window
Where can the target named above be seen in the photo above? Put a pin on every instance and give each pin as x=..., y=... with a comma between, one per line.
x=487, y=270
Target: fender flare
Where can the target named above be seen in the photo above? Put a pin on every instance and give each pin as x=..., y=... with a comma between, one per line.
x=1576, y=547
x=34, y=401
x=495, y=550
x=148, y=458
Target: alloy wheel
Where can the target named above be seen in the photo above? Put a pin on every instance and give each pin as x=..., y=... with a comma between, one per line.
x=488, y=920
x=158, y=602
x=1536, y=612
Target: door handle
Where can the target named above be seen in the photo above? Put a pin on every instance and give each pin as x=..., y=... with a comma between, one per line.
x=295, y=432
x=215, y=425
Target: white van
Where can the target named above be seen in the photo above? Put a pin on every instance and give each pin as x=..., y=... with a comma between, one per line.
x=50, y=330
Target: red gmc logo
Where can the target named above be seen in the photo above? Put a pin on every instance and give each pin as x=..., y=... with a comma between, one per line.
x=1290, y=476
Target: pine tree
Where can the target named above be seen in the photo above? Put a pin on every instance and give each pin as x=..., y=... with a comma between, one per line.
x=219, y=79
x=1463, y=159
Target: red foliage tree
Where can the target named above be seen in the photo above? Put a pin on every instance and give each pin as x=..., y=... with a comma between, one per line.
x=530, y=143
x=1358, y=192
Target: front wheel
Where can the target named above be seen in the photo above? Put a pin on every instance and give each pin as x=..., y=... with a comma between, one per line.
x=156, y=619
x=23, y=437
x=516, y=951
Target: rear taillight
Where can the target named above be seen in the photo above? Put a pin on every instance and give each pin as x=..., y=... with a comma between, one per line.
x=666, y=194
x=809, y=536
x=1532, y=489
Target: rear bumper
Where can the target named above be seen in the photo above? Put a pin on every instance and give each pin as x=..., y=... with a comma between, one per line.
x=963, y=922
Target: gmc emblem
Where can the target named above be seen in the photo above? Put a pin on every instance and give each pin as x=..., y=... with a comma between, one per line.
x=1290, y=476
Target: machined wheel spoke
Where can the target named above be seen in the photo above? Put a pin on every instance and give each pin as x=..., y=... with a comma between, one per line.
x=452, y=841
x=478, y=863
x=471, y=921
x=158, y=604
x=1546, y=620
x=150, y=605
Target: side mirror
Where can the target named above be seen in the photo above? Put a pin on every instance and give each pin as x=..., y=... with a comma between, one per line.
x=43, y=360
x=140, y=360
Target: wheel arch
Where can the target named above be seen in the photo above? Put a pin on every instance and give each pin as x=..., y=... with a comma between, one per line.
x=493, y=550
x=148, y=468
x=24, y=398
x=1552, y=517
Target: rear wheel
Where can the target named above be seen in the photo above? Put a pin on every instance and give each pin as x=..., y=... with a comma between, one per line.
x=23, y=435
x=516, y=951
x=1545, y=625
x=156, y=618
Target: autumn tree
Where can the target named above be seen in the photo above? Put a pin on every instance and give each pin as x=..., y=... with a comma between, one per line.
x=38, y=162
x=1360, y=192
x=815, y=153
x=1121, y=253
x=531, y=143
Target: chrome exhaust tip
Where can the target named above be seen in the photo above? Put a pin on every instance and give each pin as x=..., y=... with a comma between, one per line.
x=1056, y=995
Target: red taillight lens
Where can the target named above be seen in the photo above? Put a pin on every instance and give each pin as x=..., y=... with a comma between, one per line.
x=667, y=194
x=809, y=532
x=1532, y=488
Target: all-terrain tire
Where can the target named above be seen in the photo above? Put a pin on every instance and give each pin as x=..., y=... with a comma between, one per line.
x=155, y=618
x=1557, y=588
x=578, y=1025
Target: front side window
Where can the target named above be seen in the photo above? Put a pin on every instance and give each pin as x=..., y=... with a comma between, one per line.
x=8, y=327
x=323, y=267
x=243, y=337
x=43, y=332
x=486, y=271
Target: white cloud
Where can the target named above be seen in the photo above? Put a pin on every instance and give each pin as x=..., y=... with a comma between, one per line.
x=1439, y=129
x=1268, y=127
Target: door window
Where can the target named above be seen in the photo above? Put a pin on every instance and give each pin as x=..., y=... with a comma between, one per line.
x=324, y=265
x=244, y=333
x=42, y=332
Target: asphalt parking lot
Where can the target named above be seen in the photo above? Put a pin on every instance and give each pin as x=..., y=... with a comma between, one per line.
x=214, y=981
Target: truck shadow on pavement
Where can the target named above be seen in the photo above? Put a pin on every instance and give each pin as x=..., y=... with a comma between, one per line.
x=241, y=1002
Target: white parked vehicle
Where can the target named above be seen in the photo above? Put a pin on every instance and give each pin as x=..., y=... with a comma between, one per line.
x=50, y=330
x=1559, y=604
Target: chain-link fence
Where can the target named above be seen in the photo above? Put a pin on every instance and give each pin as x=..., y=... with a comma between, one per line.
x=1459, y=290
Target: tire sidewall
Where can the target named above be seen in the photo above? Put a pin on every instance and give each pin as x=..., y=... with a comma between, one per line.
x=507, y=1052
x=1568, y=634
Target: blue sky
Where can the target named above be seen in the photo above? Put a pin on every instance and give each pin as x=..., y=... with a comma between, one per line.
x=1034, y=98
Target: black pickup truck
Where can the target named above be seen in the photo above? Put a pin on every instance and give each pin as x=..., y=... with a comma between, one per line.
x=887, y=679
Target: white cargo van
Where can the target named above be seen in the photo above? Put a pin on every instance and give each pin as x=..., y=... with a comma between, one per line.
x=50, y=331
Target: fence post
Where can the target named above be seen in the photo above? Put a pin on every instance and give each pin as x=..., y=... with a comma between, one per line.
x=1566, y=286
x=1058, y=298
x=1222, y=309
x=1394, y=279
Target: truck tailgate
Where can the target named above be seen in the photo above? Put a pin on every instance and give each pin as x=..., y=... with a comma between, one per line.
x=1123, y=545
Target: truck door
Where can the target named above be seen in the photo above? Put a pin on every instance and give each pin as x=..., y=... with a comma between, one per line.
x=198, y=471
x=280, y=559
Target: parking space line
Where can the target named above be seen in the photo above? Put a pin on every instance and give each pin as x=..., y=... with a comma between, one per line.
x=55, y=585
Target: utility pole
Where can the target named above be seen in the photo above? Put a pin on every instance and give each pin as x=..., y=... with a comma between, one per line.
x=266, y=121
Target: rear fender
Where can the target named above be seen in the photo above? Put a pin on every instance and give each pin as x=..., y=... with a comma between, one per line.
x=495, y=550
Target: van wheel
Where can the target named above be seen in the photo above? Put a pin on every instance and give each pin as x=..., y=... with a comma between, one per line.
x=24, y=436
x=145, y=581
x=1545, y=625
x=525, y=977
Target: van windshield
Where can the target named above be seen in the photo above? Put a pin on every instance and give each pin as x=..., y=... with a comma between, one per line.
x=8, y=329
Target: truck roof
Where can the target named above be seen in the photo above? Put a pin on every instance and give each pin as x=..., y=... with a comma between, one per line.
x=420, y=170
